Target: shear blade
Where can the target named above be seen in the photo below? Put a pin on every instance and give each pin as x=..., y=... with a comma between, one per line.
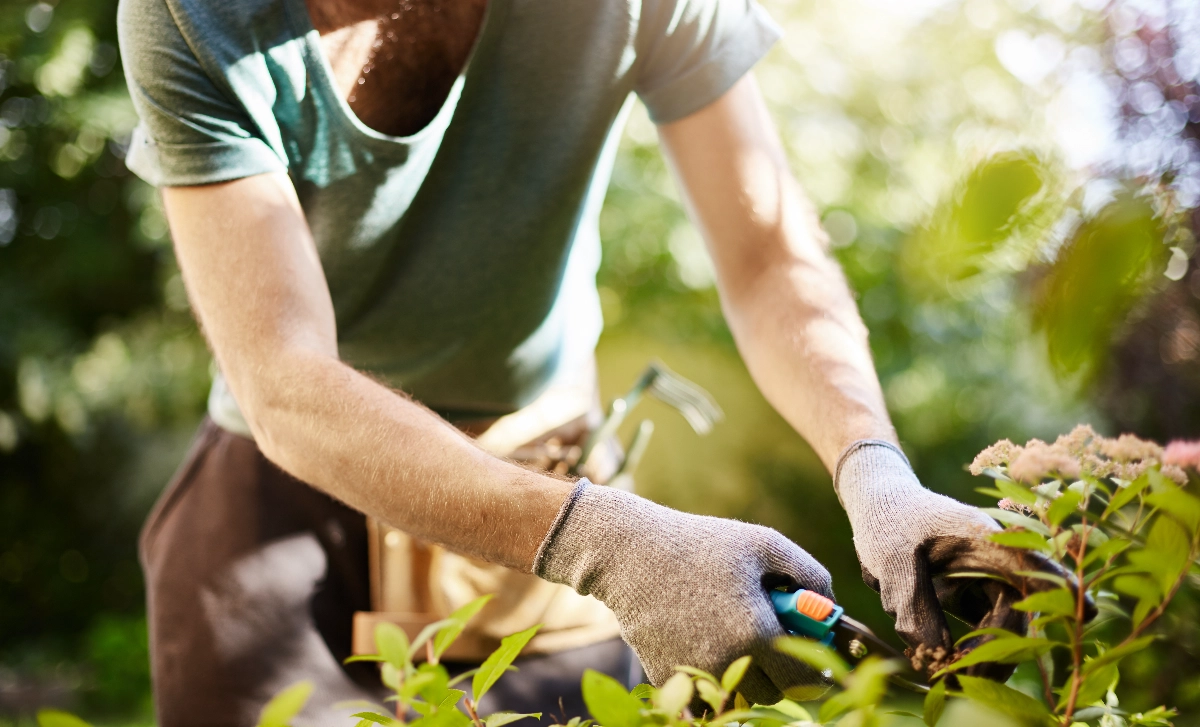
x=857, y=641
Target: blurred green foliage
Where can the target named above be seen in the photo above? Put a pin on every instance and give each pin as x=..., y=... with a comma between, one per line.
x=930, y=135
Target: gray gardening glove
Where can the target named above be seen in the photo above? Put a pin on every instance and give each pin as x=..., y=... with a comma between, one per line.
x=909, y=538
x=687, y=590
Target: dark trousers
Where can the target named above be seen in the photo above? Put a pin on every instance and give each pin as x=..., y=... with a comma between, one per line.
x=252, y=579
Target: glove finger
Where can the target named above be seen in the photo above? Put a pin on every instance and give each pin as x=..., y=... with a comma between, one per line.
x=787, y=677
x=910, y=598
x=786, y=564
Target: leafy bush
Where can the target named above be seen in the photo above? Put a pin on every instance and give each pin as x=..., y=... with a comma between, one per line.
x=1119, y=514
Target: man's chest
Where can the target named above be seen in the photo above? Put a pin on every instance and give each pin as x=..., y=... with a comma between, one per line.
x=396, y=62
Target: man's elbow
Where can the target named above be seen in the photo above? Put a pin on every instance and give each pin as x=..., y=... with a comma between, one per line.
x=275, y=400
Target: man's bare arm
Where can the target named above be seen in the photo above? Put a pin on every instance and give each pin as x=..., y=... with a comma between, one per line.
x=256, y=284
x=786, y=300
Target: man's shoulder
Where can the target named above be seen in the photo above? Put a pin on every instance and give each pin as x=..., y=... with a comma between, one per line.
x=228, y=26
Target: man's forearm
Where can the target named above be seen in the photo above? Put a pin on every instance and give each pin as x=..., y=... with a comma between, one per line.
x=381, y=453
x=800, y=334
x=256, y=284
x=786, y=300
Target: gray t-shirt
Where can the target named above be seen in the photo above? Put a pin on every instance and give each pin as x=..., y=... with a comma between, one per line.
x=461, y=260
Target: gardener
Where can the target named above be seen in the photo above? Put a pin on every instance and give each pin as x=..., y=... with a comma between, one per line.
x=386, y=217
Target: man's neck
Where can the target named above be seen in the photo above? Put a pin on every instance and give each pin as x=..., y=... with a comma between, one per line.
x=395, y=61
x=331, y=15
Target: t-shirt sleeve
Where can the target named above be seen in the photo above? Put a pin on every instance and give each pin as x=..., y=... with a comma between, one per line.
x=190, y=131
x=690, y=52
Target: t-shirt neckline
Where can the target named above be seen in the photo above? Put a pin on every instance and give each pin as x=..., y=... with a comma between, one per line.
x=318, y=65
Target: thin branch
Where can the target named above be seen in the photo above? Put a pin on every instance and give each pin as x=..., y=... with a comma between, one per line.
x=1077, y=632
x=472, y=713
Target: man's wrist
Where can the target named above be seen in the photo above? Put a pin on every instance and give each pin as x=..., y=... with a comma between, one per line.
x=867, y=460
x=564, y=512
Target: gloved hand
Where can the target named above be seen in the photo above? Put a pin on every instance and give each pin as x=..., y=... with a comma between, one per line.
x=686, y=589
x=908, y=537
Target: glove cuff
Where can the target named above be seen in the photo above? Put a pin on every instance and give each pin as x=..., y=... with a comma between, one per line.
x=859, y=450
x=564, y=512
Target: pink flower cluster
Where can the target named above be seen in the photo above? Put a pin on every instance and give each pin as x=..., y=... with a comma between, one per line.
x=1183, y=454
x=1084, y=452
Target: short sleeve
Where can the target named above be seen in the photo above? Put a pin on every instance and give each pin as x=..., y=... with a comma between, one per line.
x=190, y=131
x=690, y=52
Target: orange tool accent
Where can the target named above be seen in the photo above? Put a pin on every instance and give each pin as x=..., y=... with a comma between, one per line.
x=814, y=605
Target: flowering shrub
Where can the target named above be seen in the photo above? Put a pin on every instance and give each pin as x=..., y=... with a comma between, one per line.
x=1119, y=515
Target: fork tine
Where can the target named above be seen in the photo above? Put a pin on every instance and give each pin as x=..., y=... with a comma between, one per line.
x=680, y=389
x=694, y=403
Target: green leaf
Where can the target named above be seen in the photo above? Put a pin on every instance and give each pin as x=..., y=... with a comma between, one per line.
x=1002, y=633
x=865, y=688
x=499, y=719
x=711, y=694
x=1157, y=717
x=1063, y=505
x=56, y=718
x=434, y=686
x=416, y=683
x=815, y=654
x=643, y=691
x=734, y=673
x=1125, y=495
x=1006, y=700
x=362, y=657
x=1023, y=539
x=429, y=632
x=285, y=705
x=762, y=715
x=1018, y=520
x=1167, y=552
x=608, y=701
x=1115, y=654
x=1096, y=683
x=793, y=710
x=1180, y=505
x=391, y=643
x=1042, y=575
x=390, y=676
x=739, y=702
x=498, y=662
x=674, y=694
x=1016, y=493
x=458, y=621
x=1000, y=650
x=1110, y=549
x=1058, y=602
x=935, y=703
x=696, y=673
x=451, y=698
x=377, y=718
x=443, y=718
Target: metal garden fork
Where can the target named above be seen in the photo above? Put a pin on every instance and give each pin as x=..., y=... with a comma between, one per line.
x=694, y=403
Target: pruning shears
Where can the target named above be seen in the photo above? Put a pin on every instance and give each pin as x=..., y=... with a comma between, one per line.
x=813, y=616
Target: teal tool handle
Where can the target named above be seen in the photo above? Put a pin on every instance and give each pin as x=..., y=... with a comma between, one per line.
x=794, y=609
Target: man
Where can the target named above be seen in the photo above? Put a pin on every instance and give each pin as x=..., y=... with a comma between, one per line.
x=385, y=214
